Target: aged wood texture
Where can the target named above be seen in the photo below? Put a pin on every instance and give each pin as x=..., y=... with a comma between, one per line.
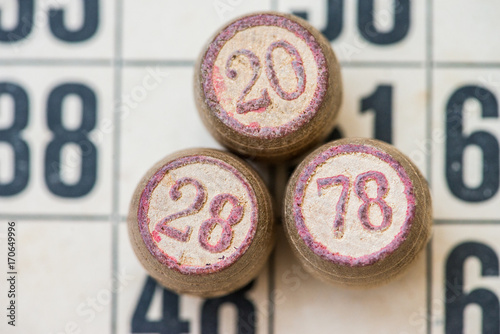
x=268, y=86
x=201, y=222
x=357, y=212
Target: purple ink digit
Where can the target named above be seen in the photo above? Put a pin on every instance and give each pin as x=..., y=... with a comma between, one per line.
x=382, y=189
x=303, y=181
x=258, y=104
x=297, y=65
x=175, y=194
x=208, y=225
x=339, y=221
x=212, y=95
x=150, y=236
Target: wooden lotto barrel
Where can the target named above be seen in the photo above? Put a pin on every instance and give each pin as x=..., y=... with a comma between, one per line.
x=357, y=212
x=201, y=222
x=268, y=86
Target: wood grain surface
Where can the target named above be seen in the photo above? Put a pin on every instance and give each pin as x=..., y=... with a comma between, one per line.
x=268, y=86
x=357, y=212
x=201, y=222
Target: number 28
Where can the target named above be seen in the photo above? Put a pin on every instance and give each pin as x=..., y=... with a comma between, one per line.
x=208, y=225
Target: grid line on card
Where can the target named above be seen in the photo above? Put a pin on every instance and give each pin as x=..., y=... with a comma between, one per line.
x=428, y=78
x=56, y=62
x=163, y=63
x=123, y=219
x=429, y=87
x=273, y=185
x=382, y=64
x=274, y=5
x=451, y=64
x=55, y=217
x=466, y=222
x=117, y=69
x=192, y=62
x=428, y=294
x=270, y=299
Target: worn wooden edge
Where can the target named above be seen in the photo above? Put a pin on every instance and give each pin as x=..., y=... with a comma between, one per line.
x=246, y=268
x=288, y=146
x=390, y=267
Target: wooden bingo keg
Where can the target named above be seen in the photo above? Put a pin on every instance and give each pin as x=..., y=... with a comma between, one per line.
x=357, y=212
x=201, y=222
x=268, y=86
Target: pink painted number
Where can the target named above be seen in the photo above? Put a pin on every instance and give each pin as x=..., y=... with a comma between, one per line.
x=382, y=189
x=297, y=65
x=227, y=232
x=339, y=222
x=175, y=194
x=360, y=190
x=261, y=103
x=207, y=227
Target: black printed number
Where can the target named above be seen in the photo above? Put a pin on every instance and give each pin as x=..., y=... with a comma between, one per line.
x=12, y=137
x=25, y=10
x=367, y=27
x=171, y=323
x=246, y=312
x=457, y=299
x=335, y=18
x=380, y=102
x=56, y=17
x=61, y=136
x=366, y=21
x=86, y=31
x=457, y=142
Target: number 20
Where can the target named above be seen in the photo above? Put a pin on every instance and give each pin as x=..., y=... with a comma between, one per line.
x=359, y=189
x=261, y=103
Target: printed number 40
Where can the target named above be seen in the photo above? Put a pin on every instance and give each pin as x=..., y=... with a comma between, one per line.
x=171, y=322
x=359, y=189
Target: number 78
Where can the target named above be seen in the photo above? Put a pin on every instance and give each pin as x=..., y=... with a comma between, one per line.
x=359, y=189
